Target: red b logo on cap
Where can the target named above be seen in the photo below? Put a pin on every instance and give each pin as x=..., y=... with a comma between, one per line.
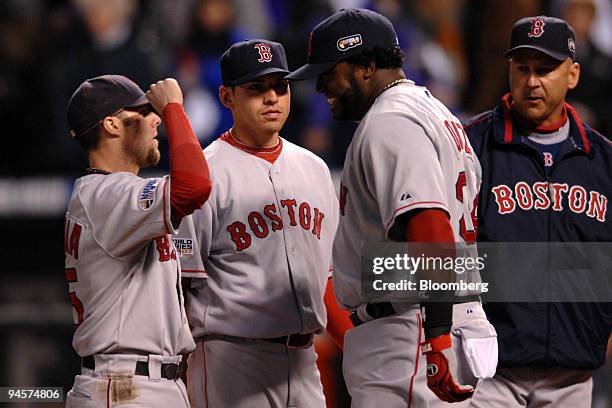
x=537, y=28
x=264, y=52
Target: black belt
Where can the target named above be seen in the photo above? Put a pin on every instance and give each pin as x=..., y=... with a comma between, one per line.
x=385, y=309
x=375, y=310
x=169, y=371
x=293, y=340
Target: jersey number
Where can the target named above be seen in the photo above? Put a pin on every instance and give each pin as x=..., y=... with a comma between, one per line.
x=468, y=235
x=77, y=305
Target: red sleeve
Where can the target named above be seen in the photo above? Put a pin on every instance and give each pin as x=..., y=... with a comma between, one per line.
x=189, y=176
x=338, y=321
x=431, y=225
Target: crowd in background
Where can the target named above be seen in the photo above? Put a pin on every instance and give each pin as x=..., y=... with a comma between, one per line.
x=454, y=47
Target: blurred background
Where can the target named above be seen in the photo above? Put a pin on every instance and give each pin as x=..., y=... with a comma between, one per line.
x=48, y=47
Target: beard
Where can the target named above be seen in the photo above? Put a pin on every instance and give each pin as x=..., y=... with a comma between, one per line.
x=350, y=102
x=135, y=146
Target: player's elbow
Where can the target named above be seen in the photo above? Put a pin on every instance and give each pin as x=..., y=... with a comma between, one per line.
x=192, y=197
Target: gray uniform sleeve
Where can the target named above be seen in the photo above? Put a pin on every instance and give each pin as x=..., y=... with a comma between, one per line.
x=198, y=227
x=402, y=168
x=126, y=211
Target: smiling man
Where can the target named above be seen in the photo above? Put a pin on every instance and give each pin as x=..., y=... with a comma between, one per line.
x=259, y=266
x=546, y=177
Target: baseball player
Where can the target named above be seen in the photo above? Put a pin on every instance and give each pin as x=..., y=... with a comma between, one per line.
x=121, y=265
x=259, y=265
x=409, y=175
x=546, y=177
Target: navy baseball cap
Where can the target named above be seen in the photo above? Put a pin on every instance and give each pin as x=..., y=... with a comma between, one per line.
x=342, y=35
x=550, y=35
x=100, y=97
x=250, y=59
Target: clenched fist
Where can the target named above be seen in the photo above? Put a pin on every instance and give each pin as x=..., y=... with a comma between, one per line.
x=164, y=92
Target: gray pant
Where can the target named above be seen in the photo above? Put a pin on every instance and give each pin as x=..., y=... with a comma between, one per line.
x=230, y=373
x=535, y=387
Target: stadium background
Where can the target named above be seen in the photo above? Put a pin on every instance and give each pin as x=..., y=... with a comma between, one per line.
x=47, y=47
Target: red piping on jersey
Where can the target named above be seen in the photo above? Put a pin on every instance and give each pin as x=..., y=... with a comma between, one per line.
x=587, y=146
x=507, y=119
x=269, y=154
x=416, y=364
x=168, y=230
x=410, y=205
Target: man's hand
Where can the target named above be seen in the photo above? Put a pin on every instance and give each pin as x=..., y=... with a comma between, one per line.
x=440, y=361
x=164, y=92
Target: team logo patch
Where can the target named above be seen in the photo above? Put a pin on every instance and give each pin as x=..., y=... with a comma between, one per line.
x=348, y=42
x=432, y=370
x=146, y=198
x=184, y=246
x=537, y=28
x=265, y=55
x=571, y=45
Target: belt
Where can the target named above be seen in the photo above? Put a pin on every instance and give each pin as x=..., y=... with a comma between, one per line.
x=293, y=340
x=169, y=371
x=385, y=309
x=375, y=310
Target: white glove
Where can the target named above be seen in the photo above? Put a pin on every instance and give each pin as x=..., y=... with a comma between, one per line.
x=474, y=343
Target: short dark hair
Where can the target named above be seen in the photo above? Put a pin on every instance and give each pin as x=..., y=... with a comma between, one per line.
x=384, y=58
x=90, y=139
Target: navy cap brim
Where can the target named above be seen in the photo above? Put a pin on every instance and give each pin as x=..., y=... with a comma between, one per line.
x=559, y=56
x=258, y=74
x=311, y=70
x=142, y=100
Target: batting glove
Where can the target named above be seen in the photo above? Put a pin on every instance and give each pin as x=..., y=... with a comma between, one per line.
x=474, y=342
x=440, y=363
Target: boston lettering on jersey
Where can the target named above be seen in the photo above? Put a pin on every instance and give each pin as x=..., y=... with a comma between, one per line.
x=543, y=195
x=307, y=217
x=72, y=236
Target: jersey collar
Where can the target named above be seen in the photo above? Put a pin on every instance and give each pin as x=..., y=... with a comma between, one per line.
x=506, y=132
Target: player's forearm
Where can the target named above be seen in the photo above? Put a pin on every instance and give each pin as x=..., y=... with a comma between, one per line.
x=433, y=226
x=338, y=321
x=190, y=182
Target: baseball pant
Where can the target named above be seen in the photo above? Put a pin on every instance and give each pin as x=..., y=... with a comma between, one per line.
x=535, y=387
x=229, y=372
x=383, y=365
x=113, y=383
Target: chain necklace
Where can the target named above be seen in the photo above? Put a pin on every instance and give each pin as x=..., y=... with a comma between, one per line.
x=396, y=82
x=95, y=170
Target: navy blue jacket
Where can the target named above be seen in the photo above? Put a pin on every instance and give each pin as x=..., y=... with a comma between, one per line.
x=519, y=202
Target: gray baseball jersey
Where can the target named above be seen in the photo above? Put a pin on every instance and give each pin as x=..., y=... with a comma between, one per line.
x=122, y=267
x=263, y=243
x=409, y=152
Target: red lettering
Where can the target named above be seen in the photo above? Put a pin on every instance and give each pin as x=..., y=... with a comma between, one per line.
x=557, y=189
x=258, y=225
x=577, y=199
x=317, y=223
x=73, y=244
x=598, y=205
x=290, y=204
x=468, y=235
x=238, y=234
x=79, y=311
x=503, y=198
x=524, y=197
x=466, y=143
x=270, y=212
x=163, y=247
x=71, y=275
x=305, y=215
x=452, y=129
x=542, y=201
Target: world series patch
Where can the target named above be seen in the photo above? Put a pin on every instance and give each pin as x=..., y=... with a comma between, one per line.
x=146, y=198
x=184, y=246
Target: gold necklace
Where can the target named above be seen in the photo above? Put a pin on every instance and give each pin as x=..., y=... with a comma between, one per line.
x=396, y=82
